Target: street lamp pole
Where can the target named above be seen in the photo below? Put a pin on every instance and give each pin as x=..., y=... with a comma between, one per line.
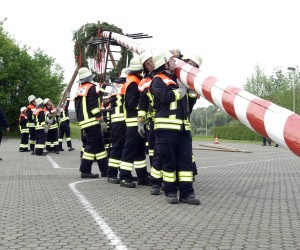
x=294, y=94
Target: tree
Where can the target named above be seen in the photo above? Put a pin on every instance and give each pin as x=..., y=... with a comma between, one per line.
x=257, y=84
x=22, y=75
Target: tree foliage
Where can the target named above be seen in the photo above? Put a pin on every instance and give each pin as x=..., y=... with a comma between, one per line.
x=22, y=75
x=278, y=88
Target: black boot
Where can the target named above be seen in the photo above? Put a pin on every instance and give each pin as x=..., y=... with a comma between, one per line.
x=113, y=180
x=190, y=199
x=155, y=190
x=89, y=175
x=127, y=183
x=172, y=198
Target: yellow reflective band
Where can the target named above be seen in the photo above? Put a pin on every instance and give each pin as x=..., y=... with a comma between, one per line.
x=95, y=111
x=167, y=126
x=89, y=125
x=155, y=173
x=185, y=173
x=168, y=120
x=113, y=120
x=88, y=156
x=185, y=179
x=84, y=109
x=40, y=146
x=113, y=162
x=68, y=139
x=177, y=94
x=151, y=152
x=185, y=176
x=141, y=113
x=140, y=164
x=169, y=176
x=167, y=179
x=173, y=105
x=101, y=155
x=131, y=122
x=126, y=165
x=64, y=119
x=87, y=121
x=53, y=126
x=193, y=158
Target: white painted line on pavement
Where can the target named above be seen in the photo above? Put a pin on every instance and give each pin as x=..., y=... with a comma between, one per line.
x=239, y=155
x=54, y=164
x=110, y=235
x=247, y=162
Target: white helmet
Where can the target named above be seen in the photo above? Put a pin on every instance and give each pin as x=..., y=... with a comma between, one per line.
x=135, y=65
x=84, y=73
x=195, y=58
x=31, y=98
x=123, y=73
x=46, y=100
x=23, y=109
x=38, y=101
x=145, y=56
x=161, y=58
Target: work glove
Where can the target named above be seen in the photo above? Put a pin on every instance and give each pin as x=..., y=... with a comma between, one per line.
x=103, y=125
x=182, y=91
x=141, y=128
x=49, y=121
x=192, y=93
x=46, y=128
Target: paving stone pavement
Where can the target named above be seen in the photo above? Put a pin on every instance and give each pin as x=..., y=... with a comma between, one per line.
x=248, y=201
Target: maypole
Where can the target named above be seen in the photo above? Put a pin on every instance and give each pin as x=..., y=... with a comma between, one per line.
x=262, y=116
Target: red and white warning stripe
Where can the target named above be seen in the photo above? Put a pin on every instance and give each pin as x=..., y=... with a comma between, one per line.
x=279, y=124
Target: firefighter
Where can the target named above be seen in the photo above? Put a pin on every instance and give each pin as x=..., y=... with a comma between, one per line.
x=64, y=125
x=133, y=154
x=52, y=121
x=30, y=113
x=89, y=116
x=41, y=128
x=118, y=127
x=24, y=130
x=146, y=116
x=172, y=131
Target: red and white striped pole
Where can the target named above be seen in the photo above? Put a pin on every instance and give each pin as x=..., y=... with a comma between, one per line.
x=264, y=117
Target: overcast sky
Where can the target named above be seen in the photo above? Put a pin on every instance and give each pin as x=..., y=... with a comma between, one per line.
x=231, y=35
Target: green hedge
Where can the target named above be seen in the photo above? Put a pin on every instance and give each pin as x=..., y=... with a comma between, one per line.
x=235, y=133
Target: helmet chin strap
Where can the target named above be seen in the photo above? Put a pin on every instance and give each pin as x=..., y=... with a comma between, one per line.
x=168, y=68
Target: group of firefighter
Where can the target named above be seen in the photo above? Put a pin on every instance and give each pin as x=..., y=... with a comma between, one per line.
x=43, y=126
x=146, y=107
